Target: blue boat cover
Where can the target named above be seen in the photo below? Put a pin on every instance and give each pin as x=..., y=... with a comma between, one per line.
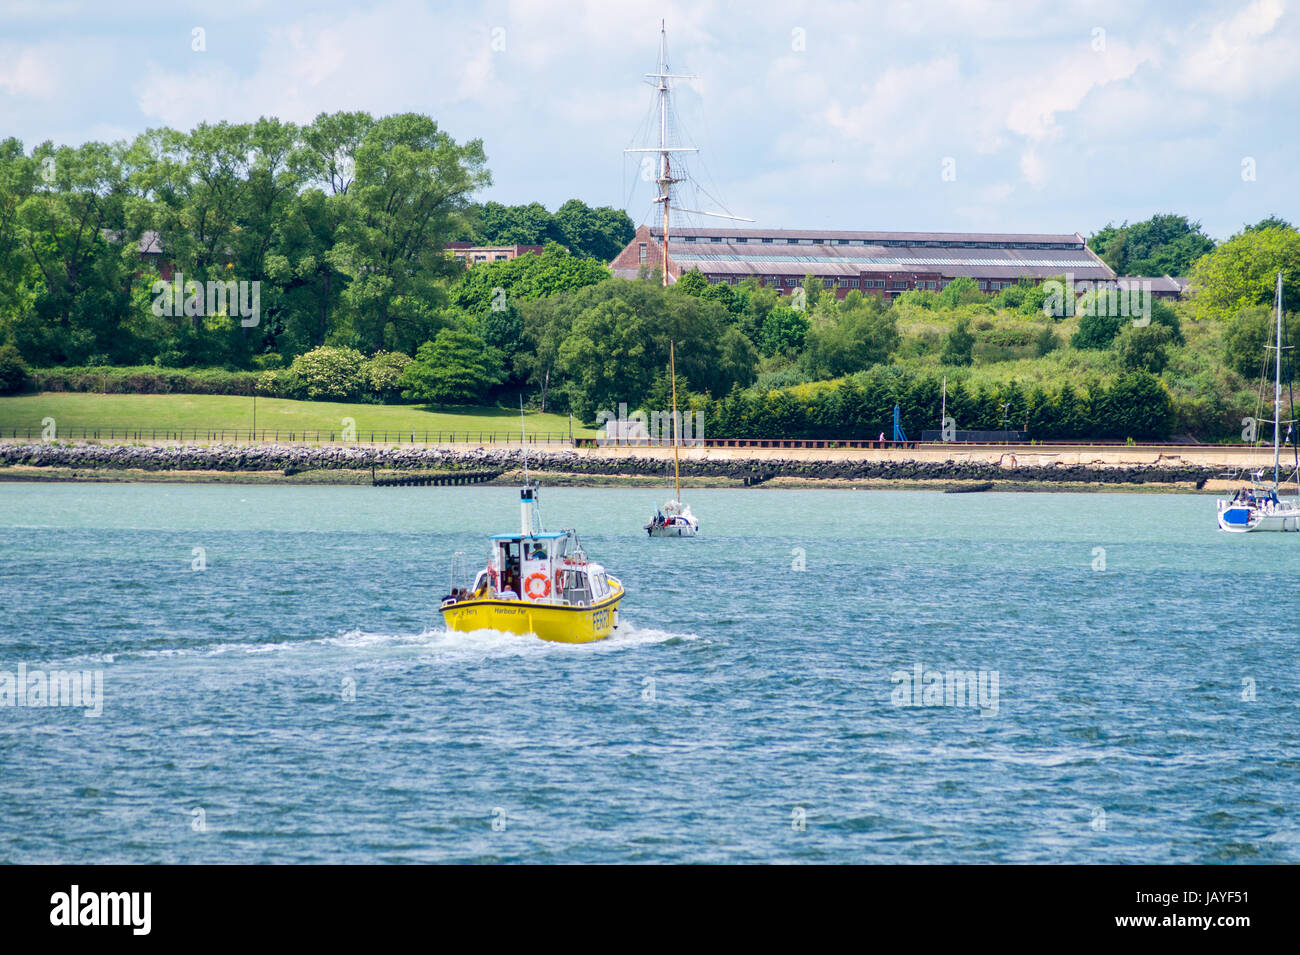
x=1236, y=515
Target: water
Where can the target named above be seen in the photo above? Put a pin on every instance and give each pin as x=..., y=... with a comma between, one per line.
x=1121, y=732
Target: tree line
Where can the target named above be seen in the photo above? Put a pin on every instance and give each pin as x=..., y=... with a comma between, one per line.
x=343, y=222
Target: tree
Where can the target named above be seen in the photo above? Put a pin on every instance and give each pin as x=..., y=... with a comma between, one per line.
x=1162, y=245
x=13, y=370
x=1243, y=271
x=963, y=290
x=843, y=340
x=497, y=285
x=412, y=188
x=958, y=343
x=1097, y=330
x=328, y=372
x=1248, y=335
x=691, y=283
x=382, y=373
x=603, y=345
x=1143, y=348
x=457, y=367
x=784, y=330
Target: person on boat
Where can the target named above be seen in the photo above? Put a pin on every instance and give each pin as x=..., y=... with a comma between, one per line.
x=538, y=553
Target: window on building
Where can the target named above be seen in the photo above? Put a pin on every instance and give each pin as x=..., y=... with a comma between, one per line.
x=768, y=241
x=716, y=238
x=643, y=253
x=828, y=283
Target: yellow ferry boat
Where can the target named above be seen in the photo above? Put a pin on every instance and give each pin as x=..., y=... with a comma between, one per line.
x=539, y=583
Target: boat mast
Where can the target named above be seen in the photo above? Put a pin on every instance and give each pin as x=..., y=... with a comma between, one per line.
x=672, y=370
x=1277, y=388
x=665, y=166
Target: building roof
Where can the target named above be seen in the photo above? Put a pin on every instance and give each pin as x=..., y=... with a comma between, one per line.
x=829, y=253
x=1165, y=283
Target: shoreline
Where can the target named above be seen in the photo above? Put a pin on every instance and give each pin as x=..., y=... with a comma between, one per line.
x=958, y=470
x=554, y=479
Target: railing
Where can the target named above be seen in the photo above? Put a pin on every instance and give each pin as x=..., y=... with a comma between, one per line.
x=293, y=436
x=359, y=436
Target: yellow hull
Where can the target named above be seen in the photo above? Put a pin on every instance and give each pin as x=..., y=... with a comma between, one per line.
x=558, y=623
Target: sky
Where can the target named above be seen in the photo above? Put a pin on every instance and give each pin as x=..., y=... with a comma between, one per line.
x=915, y=116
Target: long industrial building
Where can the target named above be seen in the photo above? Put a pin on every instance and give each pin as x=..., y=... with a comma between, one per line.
x=882, y=263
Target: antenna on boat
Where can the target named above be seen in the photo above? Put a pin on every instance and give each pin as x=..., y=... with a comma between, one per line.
x=523, y=436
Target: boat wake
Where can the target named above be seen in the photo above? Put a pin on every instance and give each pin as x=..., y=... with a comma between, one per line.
x=436, y=643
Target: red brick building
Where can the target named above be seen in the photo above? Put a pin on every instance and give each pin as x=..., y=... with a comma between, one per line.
x=882, y=263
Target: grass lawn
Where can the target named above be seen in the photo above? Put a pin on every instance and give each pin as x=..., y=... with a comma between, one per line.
x=77, y=410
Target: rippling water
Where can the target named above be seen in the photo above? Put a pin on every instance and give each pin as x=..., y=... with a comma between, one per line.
x=744, y=711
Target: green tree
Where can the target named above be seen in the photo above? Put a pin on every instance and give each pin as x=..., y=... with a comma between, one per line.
x=1242, y=272
x=784, y=330
x=1143, y=348
x=963, y=290
x=328, y=372
x=848, y=339
x=1097, y=330
x=1162, y=245
x=13, y=370
x=457, y=367
x=412, y=187
x=958, y=343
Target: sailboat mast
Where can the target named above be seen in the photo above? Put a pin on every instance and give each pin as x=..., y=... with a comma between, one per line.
x=1277, y=387
x=672, y=370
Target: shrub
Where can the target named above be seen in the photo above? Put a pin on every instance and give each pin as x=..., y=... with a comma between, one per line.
x=13, y=370
x=329, y=372
x=145, y=380
x=455, y=368
x=383, y=371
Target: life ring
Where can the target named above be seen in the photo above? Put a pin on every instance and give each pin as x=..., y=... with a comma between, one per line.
x=559, y=581
x=546, y=586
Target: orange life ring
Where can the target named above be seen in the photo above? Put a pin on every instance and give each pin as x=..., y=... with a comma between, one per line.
x=546, y=586
x=559, y=581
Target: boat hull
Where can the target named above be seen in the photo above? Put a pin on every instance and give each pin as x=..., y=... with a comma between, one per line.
x=1242, y=519
x=672, y=530
x=561, y=624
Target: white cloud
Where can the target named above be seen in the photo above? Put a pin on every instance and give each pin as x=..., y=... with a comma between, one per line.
x=1244, y=53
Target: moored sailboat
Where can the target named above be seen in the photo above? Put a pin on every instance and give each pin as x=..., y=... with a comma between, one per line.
x=1261, y=506
x=675, y=518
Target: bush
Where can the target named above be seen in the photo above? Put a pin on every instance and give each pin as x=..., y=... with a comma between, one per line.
x=329, y=372
x=13, y=370
x=958, y=344
x=145, y=380
x=383, y=371
x=455, y=368
x=1142, y=348
x=278, y=383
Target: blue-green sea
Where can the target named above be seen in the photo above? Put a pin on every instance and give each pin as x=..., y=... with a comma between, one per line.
x=277, y=686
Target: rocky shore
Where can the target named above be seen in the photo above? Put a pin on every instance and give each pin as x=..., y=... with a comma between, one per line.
x=297, y=459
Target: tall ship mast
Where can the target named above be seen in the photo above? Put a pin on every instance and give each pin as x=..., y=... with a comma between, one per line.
x=666, y=177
